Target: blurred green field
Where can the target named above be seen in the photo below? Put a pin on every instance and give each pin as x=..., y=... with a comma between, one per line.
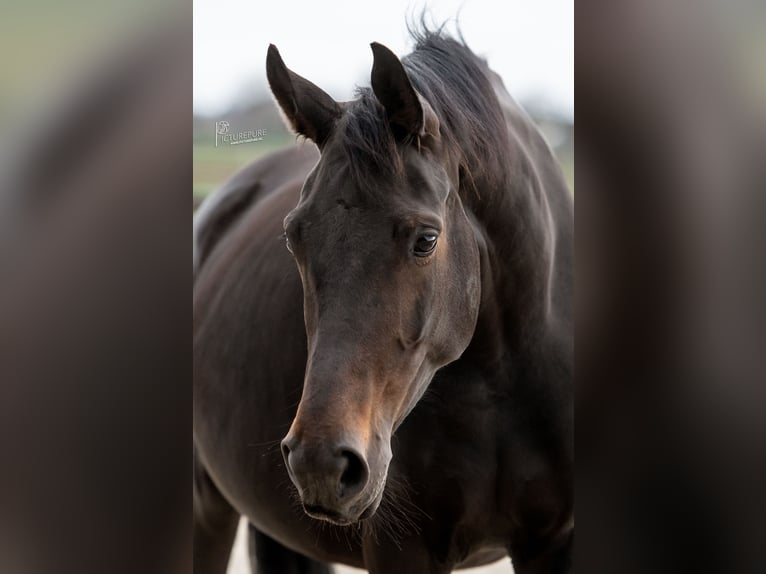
x=214, y=165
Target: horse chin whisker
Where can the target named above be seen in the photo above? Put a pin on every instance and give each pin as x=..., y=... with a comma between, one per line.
x=396, y=517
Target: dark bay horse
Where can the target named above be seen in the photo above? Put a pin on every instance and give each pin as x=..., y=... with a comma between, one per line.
x=383, y=332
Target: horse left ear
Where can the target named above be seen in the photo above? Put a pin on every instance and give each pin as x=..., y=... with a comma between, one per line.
x=409, y=114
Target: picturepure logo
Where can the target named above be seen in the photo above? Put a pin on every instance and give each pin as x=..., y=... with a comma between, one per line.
x=224, y=135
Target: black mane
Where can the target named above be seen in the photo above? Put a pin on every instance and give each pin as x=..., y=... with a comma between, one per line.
x=368, y=142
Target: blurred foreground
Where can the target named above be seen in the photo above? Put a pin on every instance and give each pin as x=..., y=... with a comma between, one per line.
x=95, y=350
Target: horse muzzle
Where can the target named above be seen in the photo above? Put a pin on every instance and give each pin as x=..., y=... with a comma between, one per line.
x=333, y=479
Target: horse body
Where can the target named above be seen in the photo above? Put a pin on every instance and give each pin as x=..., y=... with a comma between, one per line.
x=480, y=467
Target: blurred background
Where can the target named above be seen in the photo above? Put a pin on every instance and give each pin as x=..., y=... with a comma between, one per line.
x=530, y=44
x=95, y=97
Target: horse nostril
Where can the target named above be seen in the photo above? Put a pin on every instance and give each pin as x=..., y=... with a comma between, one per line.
x=354, y=476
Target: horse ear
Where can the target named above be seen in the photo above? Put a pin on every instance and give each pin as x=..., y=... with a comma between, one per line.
x=310, y=110
x=408, y=112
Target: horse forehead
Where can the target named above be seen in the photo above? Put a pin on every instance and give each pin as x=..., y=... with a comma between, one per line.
x=341, y=196
x=338, y=222
x=379, y=199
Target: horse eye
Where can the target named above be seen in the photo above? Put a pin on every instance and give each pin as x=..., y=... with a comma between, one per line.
x=425, y=244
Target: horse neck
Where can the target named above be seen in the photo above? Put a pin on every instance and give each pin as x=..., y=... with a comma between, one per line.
x=523, y=216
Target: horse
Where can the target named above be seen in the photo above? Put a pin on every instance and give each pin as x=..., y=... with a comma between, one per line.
x=383, y=332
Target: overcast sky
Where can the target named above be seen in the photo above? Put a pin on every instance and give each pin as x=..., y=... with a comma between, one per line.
x=529, y=43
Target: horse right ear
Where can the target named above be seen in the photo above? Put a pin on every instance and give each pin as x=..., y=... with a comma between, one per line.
x=310, y=111
x=409, y=114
